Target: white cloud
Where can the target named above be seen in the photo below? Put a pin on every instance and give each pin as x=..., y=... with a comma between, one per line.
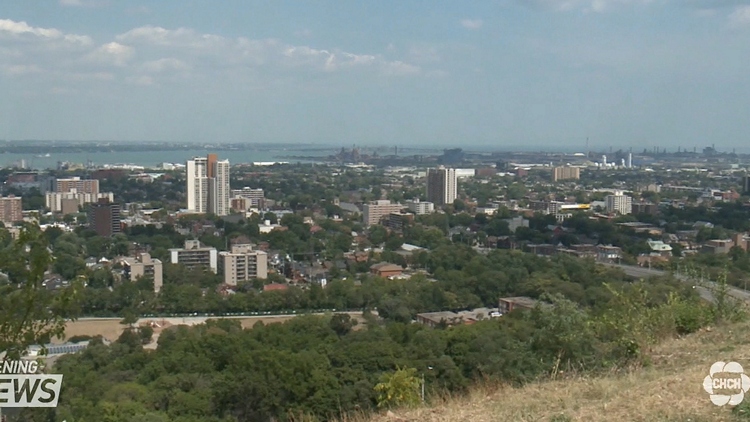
x=112, y=53
x=164, y=65
x=740, y=16
x=82, y=3
x=400, y=68
x=21, y=69
x=19, y=29
x=196, y=50
x=141, y=80
x=472, y=23
x=586, y=5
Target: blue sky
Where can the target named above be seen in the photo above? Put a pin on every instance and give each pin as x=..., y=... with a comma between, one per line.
x=503, y=73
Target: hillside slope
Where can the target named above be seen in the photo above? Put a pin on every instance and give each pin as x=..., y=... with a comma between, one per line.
x=670, y=389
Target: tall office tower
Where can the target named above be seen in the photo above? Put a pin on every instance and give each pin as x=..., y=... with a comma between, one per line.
x=208, y=185
x=441, y=185
x=746, y=184
x=104, y=218
x=630, y=160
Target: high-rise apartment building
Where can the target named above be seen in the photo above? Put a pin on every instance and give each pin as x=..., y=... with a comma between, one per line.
x=619, y=203
x=218, y=192
x=11, y=209
x=197, y=185
x=242, y=263
x=208, y=185
x=442, y=186
x=76, y=184
x=104, y=218
x=566, y=173
x=746, y=184
x=145, y=266
x=59, y=201
x=376, y=210
x=256, y=196
x=194, y=255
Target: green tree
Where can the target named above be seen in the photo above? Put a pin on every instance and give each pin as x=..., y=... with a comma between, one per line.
x=29, y=313
x=399, y=388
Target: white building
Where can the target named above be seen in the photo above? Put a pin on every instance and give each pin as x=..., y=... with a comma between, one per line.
x=266, y=227
x=197, y=185
x=218, y=188
x=442, y=186
x=208, y=185
x=194, y=255
x=420, y=208
x=619, y=203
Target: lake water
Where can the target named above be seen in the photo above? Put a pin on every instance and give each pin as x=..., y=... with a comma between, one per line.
x=152, y=158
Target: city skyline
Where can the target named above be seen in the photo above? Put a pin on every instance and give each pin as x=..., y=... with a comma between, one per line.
x=536, y=72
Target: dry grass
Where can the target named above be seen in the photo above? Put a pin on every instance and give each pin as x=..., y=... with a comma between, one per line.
x=668, y=390
x=111, y=329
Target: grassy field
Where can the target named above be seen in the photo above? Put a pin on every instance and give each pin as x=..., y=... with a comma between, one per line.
x=668, y=390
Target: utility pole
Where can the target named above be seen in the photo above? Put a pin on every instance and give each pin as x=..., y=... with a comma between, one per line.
x=423, y=382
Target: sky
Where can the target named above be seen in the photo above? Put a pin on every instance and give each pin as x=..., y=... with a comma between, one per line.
x=501, y=73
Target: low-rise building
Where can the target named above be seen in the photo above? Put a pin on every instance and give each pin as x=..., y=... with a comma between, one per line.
x=386, y=269
x=267, y=227
x=718, y=246
x=508, y=304
x=448, y=318
x=659, y=248
x=608, y=253
x=420, y=207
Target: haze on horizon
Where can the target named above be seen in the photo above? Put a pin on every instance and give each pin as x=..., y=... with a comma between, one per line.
x=624, y=73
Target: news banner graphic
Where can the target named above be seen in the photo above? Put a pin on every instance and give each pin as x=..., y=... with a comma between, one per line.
x=22, y=386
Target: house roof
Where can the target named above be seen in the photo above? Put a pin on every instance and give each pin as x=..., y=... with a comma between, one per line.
x=386, y=266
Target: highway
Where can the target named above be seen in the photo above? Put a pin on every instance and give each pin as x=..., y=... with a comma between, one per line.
x=704, y=290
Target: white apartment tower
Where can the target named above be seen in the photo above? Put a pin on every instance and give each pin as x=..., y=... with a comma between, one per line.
x=441, y=186
x=619, y=203
x=208, y=185
x=197, y=185
x=218, y=191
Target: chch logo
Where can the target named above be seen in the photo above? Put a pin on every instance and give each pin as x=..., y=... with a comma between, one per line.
x=726, y=383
